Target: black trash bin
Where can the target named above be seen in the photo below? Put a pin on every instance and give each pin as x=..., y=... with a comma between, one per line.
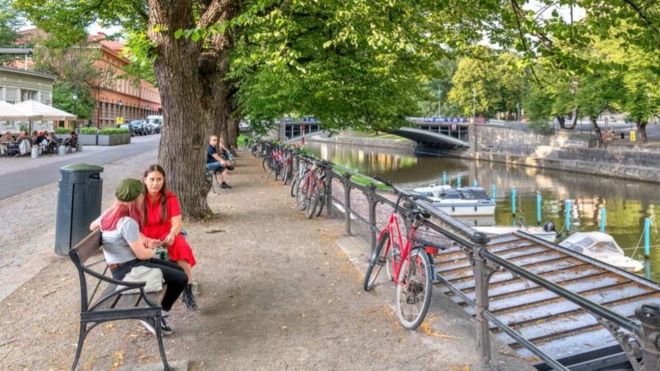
x=78, y=204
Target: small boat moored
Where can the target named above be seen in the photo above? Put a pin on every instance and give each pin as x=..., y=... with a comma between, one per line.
x=464, y=201
x=603, y=247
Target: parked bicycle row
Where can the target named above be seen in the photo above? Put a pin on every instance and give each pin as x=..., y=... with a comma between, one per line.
x=402, y=247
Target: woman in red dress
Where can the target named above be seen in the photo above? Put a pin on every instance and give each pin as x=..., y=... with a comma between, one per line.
x=162, y=221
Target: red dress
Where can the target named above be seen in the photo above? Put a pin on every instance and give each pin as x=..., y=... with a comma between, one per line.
x=153, y=228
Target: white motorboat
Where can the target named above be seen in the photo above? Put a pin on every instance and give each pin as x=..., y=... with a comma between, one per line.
x=603, y=247
x=539, y=232
x=464, y=201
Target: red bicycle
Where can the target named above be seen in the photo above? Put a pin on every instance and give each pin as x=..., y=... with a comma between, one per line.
x=407, y=261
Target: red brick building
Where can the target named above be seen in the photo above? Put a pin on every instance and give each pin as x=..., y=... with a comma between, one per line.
x=120, y=97
x=115, y=96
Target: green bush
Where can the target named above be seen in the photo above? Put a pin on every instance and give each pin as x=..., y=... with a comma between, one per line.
x=62, y=131
x=88, y=131
x=542, y=127
x=113, y=131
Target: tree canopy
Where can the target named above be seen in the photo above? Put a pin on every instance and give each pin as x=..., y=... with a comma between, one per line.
x=351, y=63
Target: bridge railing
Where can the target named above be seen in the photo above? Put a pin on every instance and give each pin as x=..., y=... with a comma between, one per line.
x=363, y=201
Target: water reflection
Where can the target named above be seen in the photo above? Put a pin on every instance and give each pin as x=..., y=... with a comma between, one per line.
x=627, y=202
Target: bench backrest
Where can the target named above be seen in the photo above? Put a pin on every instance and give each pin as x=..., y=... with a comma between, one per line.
x=79, y=256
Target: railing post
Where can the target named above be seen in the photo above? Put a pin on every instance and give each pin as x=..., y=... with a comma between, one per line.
x=328, y=191
x=347, y=204
x=482, y=273
x=372, y=215
x=649, y=316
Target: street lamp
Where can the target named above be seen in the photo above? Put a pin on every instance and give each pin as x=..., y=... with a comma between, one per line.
x=75, y=100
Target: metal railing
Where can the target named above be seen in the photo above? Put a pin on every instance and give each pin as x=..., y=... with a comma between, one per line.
x=641, y=343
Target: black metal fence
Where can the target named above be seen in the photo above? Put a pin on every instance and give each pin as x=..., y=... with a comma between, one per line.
x=370, y=207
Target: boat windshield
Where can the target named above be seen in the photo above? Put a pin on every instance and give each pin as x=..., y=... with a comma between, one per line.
x=466, y=194
x=605, y=247
x=450, y=195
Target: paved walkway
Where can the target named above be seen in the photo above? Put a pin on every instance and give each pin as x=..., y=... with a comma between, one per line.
x=276, y=291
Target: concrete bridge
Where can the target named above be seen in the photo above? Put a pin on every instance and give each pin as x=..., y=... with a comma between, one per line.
x=430, y=140
x=430, y=133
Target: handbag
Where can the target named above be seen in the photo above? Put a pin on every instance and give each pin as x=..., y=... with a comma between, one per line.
x=152, y=276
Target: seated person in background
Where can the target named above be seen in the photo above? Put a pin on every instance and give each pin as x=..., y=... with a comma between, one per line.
x=24, y=145
x=72, y=141
x=5, y=140
x=124, y=247
x=51, y=143
x=226, y=155
x=41, y=140
x=215, y=162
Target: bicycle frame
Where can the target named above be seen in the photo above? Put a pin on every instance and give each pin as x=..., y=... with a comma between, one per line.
x=405, y=249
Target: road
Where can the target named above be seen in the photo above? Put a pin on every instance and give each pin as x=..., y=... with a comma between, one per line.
x=23, y=174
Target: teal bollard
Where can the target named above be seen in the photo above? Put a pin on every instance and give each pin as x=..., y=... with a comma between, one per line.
x=444, y=178
x=539, y=199
x=458, y=181
x=493, y=192
x=513, y=201
x=568, y=206
x=647, y=238
x=603, y=219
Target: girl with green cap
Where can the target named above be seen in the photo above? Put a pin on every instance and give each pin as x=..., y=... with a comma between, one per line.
x=124, y=247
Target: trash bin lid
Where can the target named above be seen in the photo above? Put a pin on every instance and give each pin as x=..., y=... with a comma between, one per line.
x=88, y=168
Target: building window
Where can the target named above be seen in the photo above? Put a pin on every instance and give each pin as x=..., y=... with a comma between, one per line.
x=28, y=95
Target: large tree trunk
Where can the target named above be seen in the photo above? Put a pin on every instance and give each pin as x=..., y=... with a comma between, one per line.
x=182, y=145
x=220, y=110
x=594, y=125
x=576, y=113
x=562, y=121
x=232, y=129
x=641, y=129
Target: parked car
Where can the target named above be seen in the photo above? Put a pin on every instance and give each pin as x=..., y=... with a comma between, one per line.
x=139, y=127
x=155, y=122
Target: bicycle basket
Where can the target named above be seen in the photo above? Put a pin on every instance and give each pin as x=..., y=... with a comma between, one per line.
x=431, y=240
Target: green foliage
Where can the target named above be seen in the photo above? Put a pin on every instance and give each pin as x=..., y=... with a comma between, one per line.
x=113, y=131
x=490, y=84
x=9, y=23
x=88, y=131
x=541, y=127
x=62, y=131
x=139, y=51
x=63, y=93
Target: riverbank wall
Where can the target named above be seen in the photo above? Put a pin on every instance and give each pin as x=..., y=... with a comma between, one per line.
x=562, y=150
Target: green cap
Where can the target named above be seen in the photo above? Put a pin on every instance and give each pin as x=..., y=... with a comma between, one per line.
x=129, y=189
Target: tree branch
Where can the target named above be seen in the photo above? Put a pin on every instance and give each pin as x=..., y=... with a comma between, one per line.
x=516, y=12
x=641, y=14
x=213, y=13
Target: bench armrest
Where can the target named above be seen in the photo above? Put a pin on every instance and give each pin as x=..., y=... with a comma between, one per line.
x=130, y=285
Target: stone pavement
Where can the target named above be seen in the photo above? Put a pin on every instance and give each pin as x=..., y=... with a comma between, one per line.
x=276, y=291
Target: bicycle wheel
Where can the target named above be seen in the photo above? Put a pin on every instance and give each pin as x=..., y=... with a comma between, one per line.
x=321, y=201
x=413, y=291
x=265, y=164
x=288, y=173
x=393, y=258
x=294, y=185
x=301, y=194
x=378, y=259
x=310, y=211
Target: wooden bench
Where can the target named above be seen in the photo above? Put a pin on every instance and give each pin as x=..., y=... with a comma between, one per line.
x=112, y=304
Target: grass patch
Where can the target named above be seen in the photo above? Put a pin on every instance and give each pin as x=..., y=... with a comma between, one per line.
x=361, y=179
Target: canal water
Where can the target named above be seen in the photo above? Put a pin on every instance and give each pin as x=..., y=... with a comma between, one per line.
x=627, y=202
